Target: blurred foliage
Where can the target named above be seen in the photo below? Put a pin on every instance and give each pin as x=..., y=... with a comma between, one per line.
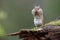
x=2, y=32
x=3, y=15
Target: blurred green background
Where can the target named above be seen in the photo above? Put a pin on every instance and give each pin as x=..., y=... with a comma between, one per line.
x=16, y=14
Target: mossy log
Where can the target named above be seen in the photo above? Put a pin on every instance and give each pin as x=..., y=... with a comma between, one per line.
x=27, y=34
x=49, y=32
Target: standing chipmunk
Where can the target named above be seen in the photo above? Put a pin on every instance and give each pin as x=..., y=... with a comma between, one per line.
x=37, y=13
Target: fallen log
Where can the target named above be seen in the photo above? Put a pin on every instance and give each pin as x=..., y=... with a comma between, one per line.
x=51, y=31
x=34, y=35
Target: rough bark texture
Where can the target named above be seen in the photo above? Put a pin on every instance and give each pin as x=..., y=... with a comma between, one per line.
x=54, y=32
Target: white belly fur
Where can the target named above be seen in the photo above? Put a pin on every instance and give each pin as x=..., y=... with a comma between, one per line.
x=37, y=22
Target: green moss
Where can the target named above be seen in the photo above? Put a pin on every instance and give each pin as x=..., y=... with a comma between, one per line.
x=54, y=23
x=34, y=29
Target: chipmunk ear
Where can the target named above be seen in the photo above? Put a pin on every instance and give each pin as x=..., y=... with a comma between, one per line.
x=37, y=6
